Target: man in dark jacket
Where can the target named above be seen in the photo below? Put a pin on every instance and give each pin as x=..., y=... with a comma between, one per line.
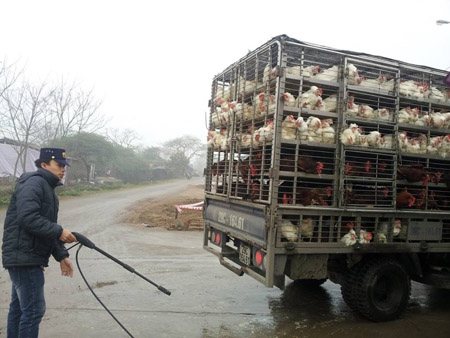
x=31, y=234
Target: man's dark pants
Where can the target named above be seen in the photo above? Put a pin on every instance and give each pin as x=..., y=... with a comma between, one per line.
x=27, y=301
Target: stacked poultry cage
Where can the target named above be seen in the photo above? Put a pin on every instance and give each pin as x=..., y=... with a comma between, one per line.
x=335, y=143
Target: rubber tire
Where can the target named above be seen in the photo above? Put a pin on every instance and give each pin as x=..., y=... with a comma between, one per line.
x=349, y=286
x=382, y=290
x=310, y=283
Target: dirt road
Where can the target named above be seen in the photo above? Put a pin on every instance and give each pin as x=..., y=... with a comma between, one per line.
x=207, y=300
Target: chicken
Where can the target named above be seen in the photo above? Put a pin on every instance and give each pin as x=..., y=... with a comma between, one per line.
x=329, y=74
x=264, y=103
x=330, y=104
x=366, y=111
x=435, y=94
x=386, y=142
x=310, y=98
x=414, y=173
x=372, y=83
x=437, y=120
x=289, y=128
x=373, y=139
x=350, y=238
x=405, y=199
x=434, y=145
x=289, y=100
x=388, y=85
x=412, y=89
x=310, y=71
x=352, y=107
x=307, y=228
x=288, y=230
x=351, y=135
x=307, y=196
x=263, y=134
x=356, y=168
x=314, y=125
x=269, y=73
x=327, y=131
x=424, y=120
x=382, y=114
x=365, y=236
x=308, y=165
x=353, y=77
x=381, y=235
x=302, y=129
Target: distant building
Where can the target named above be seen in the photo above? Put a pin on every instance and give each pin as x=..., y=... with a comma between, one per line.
x=9, y=151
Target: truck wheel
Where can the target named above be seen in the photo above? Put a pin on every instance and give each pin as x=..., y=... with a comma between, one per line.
x=383, y=288
x=348, y=287
x=310, y=283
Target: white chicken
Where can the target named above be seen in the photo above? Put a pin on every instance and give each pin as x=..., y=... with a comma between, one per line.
x=382, y=114
x=437, y=120
x=289, y=100
x=352, y=107
x=302, y=129
x=373, y=139
x=424, y=120
x=434, y=145
x=349, y=238
x=269, y=73
x=327, y=131
x=372, y=83
x=264, y=102
x=351, y=135
x=288, y=230
x=330, y=104
x=352, y=75
x=365, y=236
x=386, y=142
x=366, y=111
x=329, y=74
x=388, y=85
x=407, y=87
x=289, y=128
x=310, y=71
x=307, y=228
x=310, y=98
x=314, y=129
x=435, y=94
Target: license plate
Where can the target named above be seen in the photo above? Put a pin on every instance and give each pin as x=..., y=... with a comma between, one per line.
x=245, y=254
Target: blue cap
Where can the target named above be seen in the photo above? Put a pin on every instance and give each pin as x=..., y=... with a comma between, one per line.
x=57, y=154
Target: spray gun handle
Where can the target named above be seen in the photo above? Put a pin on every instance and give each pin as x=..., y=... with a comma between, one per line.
x=84, y=240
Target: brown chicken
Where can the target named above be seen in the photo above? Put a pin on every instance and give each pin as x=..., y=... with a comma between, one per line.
x=308, y=165
x=314, y=196
x=414, y=173
x=405, y=199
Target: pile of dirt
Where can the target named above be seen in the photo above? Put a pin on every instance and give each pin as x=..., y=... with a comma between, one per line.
x=161, y=212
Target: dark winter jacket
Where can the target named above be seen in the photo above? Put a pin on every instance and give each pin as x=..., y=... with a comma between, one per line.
x=31, y=233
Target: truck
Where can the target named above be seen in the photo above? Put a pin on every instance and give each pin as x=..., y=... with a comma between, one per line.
x=327, y=164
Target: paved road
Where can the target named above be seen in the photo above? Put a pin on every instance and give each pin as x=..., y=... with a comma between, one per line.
x=207, y=300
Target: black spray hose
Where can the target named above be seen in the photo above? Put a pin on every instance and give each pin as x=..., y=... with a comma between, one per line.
x=83, y=240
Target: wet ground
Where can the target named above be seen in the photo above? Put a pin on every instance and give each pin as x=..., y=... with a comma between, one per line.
x=207, y=300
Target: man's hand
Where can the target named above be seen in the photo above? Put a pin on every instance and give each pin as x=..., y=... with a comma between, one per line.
x=67, y=236
x=66, y=267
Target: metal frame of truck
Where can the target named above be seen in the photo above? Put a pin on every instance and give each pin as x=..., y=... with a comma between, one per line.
x=243, y=212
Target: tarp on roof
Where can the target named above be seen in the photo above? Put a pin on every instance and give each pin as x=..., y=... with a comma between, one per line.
x=8, y=157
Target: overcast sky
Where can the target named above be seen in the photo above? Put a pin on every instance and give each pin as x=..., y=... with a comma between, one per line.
x=152, y=63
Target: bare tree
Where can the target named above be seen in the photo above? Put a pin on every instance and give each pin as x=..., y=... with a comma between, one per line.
x=123, y=137
x=71, y=110
x=23, y=108
x=189, y=146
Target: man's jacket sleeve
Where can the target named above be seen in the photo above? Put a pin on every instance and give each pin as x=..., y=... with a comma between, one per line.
x=28, y=202
x=59, y=251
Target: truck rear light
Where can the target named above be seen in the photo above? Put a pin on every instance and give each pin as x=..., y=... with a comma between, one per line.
x=218, y=238
x=259, y=259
